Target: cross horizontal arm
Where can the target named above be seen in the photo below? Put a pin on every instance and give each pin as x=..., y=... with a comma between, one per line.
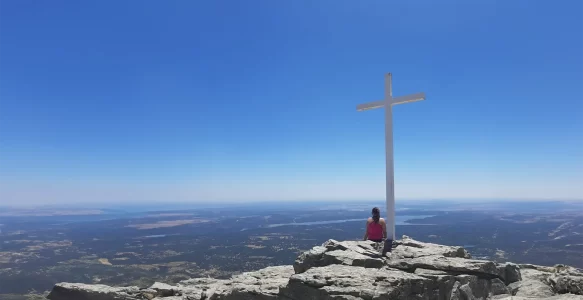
x=394, y=101
x=408, y=98
x=370, y=105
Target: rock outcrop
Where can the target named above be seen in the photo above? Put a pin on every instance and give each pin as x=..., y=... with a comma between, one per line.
x=352, y=270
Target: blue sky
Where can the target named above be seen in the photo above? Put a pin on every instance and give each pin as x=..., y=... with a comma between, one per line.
x=139, y=101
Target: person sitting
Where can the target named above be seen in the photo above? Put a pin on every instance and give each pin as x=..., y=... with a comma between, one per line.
x=376, y=227
x=376, y=231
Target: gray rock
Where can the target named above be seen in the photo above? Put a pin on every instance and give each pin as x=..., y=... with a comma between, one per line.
x=204, y=282
x=351, y=253
x=262, y=285
x=432, y=273
x=473, y=287
x=198, y=288
x=450, y=264
x=354, y=270
x=80, y=291
x=566, y=279
x=410, y=248
x=308, y=259
x=509, y=272
x=346, y=282
x=164, y=290
x=148, y=294
x=363, y=247
x=541, y=281
x=470, y=287
x=455, y=293
x=557, y=269
x=487, y=269
x=442, y=283
x=466, y=292
x=350, y=258
x=534, y=283
x=566, y=297
x=567, y=284
x=497, y=287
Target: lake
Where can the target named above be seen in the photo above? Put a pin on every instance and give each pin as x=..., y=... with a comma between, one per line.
x=400, y=220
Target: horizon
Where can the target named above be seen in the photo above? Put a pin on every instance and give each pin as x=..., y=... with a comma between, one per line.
x=239, y=102
x=168, y=205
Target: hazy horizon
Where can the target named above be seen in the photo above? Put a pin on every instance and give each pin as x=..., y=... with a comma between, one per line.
x=170, y=205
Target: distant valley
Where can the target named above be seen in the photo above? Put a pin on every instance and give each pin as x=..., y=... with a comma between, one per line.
x=136, y=247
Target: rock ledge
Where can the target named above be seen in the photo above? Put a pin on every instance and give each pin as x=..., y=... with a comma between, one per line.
x=355, y=270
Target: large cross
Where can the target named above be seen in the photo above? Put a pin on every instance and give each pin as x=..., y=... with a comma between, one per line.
x=388, y=103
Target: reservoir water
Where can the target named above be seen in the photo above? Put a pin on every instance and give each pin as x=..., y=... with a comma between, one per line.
x=400, y=220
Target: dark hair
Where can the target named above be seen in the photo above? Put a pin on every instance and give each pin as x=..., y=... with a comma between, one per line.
x=376, y=214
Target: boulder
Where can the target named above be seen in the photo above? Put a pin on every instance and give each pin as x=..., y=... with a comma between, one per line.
x=454, y=285
x=80, y=291
x=350, y=253
x=443, y=283
x=164, y=290
x=497, y=287
x=348, y=258
x=487, y=269
x=308, y=259
x=410, y=248
x=363, y=247
x=474, y=287
x=450, y=264
x=534, y=283
x=542, y=281
x=567, y=284
x=509, y=272
x=148, y=294
x=261, y=285
x=347, y=282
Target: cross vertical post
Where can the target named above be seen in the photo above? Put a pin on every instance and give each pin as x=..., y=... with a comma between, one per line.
x=388, y=103
x=390, y=168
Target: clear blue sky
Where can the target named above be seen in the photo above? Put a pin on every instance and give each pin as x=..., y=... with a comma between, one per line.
x=129, y=101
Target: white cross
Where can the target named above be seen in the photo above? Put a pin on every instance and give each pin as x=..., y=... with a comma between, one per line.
x=387, y=103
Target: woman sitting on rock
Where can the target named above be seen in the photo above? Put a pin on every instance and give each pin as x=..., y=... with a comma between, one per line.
x=376, y=227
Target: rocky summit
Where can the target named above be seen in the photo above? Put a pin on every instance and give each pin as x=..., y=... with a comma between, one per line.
x=353, y=270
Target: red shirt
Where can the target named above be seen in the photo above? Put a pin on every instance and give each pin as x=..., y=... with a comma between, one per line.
x=375, y=231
